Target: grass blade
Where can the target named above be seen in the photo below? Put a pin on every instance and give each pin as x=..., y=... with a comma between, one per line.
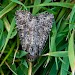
x=11, y=49
x=36, y=9
x=61, y=4
x=57, y=54
x=8, y=36
x=71, y=52
x=64, y=66
x=7, y=9
x=18, y=2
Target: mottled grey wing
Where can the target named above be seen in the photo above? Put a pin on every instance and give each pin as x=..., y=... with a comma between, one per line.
x=44, y=26
x=27, y=33
x=22, y=20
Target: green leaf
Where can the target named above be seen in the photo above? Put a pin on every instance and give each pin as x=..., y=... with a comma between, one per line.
x=1, y=28
x=19, y=71
x=8, y=8
x=53, y=38
x=20, y=54
x=13, y=67
x=8, y=36
x=36, y=9
x=64, y=66
x=23, y=61
x=2, y=40
x=6, y=24
x=72, y=19
x=22, y=70
x=1, y=8
x=50, y=11
x=47, y=1
x=61, y=14
x=18, y=2
x=57, y=54
x=37, y=2
x=11, y=49
x=61, y=4
x=53, y=70
x=71, y=52
x=13, y=34
x=38, y=65
x=5, y=3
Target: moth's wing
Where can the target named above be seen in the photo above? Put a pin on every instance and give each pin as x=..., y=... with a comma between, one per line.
x=26, y=29
x=44, y=28
x=22, y=20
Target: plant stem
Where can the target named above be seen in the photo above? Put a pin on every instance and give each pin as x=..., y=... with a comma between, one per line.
x=30, y=68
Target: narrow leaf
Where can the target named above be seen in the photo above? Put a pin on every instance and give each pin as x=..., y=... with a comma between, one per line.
x=71, y=52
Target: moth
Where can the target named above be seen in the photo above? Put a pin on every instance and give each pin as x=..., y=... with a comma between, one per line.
x=33, y=31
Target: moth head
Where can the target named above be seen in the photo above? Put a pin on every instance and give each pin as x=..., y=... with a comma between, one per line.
x=32, y=58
